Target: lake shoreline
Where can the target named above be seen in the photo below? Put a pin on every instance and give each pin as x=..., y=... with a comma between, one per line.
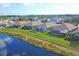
x=43, y=44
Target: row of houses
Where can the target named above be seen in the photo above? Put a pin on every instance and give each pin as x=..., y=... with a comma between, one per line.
x=6, y=23
x=52, y=28
x=36, y=25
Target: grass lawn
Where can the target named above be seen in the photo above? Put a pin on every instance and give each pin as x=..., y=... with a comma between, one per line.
x=42, y=36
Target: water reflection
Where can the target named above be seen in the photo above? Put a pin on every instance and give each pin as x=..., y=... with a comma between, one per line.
x=3, y=50
x=8, y=40
x=2, y=44
x=12, y=46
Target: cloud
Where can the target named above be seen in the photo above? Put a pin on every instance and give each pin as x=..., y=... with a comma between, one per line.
x=5, y=5
x=26, y=4
x=2, y=44
x=3, y=50
x=8, y=40
x=30, y=4
x=39, y=1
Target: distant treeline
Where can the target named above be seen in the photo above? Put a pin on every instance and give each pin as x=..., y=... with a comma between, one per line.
x=74, y=20
x=64, y=18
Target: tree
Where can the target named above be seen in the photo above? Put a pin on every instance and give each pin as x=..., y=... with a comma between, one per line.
x=74, y=20
x=73, y=38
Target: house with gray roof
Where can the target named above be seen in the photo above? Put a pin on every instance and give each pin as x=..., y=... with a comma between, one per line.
x=63, y=28
x=50, y=25
x=39, y=26
x=24, y=24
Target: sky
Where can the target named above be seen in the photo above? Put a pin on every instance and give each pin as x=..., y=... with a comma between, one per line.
x=38, y=8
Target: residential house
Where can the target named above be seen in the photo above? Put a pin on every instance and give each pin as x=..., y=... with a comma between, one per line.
x=38, y=26
x=10, y=24
x=63, y=29
x=77, y=30
x=42, y=27
x=32, y=25
x=49, y=25
x=24, y=24
x=6, y=23
x=2, y=24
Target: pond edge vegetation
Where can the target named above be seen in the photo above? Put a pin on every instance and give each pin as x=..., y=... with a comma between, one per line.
x=40, y=43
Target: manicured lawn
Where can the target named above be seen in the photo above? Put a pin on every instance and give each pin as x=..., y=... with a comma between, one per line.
x=42, y=36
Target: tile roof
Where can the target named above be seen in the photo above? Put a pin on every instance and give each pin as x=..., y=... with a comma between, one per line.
x=66, y=26
x=2, y=22
x=50, y=24
x=29, y=23
x=37, y=23
x=23, y=23
x=77, y=30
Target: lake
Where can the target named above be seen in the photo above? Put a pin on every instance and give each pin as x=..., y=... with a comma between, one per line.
x=11, y=46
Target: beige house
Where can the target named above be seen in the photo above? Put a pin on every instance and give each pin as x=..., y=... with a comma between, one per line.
x=38, y=26
x=77, y=30
x=23, y=23
x=50, y=25
x=2, y=24
x=65, y=27
x=6, y=23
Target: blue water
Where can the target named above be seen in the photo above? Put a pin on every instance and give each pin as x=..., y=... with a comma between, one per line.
x=12, y=46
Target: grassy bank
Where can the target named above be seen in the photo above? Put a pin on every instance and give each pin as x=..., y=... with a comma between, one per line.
x=51, y=43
